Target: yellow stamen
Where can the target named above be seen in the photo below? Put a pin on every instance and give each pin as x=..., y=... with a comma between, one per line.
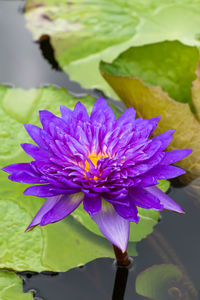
x=94, y=159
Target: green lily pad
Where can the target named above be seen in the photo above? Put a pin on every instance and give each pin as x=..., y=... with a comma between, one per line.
x=11, y=287
x=56, y=247
x=160, y=282
x=84, y=32
x=170, y=65
x=135, y=88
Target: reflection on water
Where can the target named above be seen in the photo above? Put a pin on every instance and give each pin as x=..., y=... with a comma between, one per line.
x=168, y=263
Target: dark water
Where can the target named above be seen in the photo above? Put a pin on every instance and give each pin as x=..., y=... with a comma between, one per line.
x=176, y=239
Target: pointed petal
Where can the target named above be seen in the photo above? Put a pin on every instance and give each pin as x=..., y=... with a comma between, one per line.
x=127, y=117
x=165, y=200
x=26, y=177
x=50, y=121
x=66, y=113
x=36, y=134
x=101, y=112
x=47, y=190
x=80, y=112
x=64, y=207
x=35, y=152
x=165, y=138
x=154, y=123
x=175, y=155
x=22, y=172
x=92, y=204
x=48, y=204
x=128, y=212
x=146, y=126
x=165, y=172
x=142, y=198
x=17, y=168
x=148, y=181
x=113, y=226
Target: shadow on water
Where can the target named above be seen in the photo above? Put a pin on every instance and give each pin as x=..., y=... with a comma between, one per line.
x=175, y=242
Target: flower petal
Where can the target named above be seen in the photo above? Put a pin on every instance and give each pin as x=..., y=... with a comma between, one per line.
x=48, y=204
x=165, y=172
x=66, y=113
x=26, y=177
x=92, y=204
x=80, y=112
x=36, y=134
x=62, y=208
x=165, y=200
x=47, y=190
x=127, y=117
x=128, y=212
x=165, y=138
x=113, y=226
x=175, y=155
x=142, y=198
x=102, y=113
x=17, y=168
x=35, y=152
x=49, y=121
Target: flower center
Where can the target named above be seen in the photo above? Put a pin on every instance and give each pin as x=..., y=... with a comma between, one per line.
x=94, y=159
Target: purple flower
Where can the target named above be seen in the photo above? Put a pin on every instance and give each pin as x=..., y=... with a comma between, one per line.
x=110, y=165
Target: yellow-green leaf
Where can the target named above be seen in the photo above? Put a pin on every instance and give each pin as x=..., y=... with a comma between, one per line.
x=150, y=101
x=11, y=287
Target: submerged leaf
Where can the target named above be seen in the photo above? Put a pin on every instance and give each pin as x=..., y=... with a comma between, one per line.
x=150, y=101
x=83, y=32
x=160, y=282
x=11, y=287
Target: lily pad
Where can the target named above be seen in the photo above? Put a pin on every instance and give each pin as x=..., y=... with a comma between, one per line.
x=170, y=65
x=11, y=287
x=56, y=247
x=134, y=87
x=84, y=32
x=160, y=282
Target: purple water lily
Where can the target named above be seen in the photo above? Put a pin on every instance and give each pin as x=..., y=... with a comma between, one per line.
x=110, y=165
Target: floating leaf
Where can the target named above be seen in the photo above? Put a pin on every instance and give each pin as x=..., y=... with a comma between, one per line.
x=170, y=65
x=160, y=282
x=11, y=287
x=82, y=32
x=56, y=247
x=150, y=101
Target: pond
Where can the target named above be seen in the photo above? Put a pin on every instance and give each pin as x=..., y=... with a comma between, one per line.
x=167, y=266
